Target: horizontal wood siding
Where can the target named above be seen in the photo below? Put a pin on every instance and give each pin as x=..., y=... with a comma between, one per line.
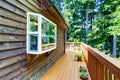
x=13, y=59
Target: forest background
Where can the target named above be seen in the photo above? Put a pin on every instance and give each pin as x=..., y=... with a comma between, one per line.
x=95, y=22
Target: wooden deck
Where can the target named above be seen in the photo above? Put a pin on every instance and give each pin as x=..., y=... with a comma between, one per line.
x=64, y=69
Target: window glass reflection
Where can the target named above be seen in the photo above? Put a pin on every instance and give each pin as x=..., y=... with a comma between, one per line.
x=33, y=42
x=48, y=35
x=45, y=27
x=33, y=23
x=51, y=29
x=45, y=40
x=52, y=39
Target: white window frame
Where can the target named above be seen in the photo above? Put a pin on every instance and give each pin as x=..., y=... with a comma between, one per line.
x=39, y=33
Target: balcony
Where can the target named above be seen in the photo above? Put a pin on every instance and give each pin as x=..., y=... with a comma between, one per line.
x=100, y=66
x=64, y=69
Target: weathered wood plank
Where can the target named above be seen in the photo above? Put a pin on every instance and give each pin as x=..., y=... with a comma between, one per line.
x=7, y=46
x=19, y=5
x=32, y=69
x=8, y=22
x=10, y=30
x=10, y=53
x=29, y=6
x=12, y=8
x=34, y=4
x=12, y=60
x=11, y=68
x=11, y=75
x=7, y=38
x=41, y=6
x=40, y=62
x=11, y=15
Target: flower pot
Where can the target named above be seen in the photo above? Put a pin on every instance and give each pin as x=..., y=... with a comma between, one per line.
x=79, y=59
x=84, y=77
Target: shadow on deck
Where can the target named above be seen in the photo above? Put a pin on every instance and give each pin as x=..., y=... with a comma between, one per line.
x=64, y=69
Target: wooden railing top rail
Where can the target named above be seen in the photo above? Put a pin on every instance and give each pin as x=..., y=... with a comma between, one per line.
x=112, y=64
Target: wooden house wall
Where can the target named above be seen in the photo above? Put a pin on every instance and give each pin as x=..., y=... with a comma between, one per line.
x=13, y=59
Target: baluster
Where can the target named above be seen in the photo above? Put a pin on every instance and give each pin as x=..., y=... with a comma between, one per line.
x=98, y=70
x=110, y=75
x=115, y=78
x=106, y=74
x=101, y=72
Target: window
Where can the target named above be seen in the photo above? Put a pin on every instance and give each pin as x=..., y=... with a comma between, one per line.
x=41, y=34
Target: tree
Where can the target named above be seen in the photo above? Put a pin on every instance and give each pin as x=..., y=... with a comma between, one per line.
x=58, y=4
x=73, y=17
x=77, y=14
x=107, y=24
x=96, y=22
x=114, y=29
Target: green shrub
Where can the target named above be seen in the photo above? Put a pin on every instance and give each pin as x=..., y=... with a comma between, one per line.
x=78, y=57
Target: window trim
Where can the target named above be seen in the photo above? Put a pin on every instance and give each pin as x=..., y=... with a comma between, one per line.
x=39, y=33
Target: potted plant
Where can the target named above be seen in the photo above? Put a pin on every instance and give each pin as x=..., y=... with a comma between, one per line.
x=79, y=57
x=82, y=68
x=83, y=75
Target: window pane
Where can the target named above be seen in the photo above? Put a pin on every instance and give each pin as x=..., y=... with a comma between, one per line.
x=45, y=42
x=48, y=28
x=52, y=45
x=51, y=29
x=45, y=27
x=52, y=42
x=33, y=42
x=48, y=43
x=48, y=35
x=33, y=24
x=52, y=39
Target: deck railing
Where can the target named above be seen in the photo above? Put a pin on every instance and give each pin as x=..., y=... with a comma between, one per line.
x=73, y=46
x=100, y=65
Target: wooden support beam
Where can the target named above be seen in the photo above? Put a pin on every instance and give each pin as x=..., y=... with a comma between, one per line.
x=48, y=53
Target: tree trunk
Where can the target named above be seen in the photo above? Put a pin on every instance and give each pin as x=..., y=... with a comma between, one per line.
x=86, y=25
x=114, y=46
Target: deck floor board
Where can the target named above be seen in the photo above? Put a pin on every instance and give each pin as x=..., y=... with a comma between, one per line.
x=64, y=69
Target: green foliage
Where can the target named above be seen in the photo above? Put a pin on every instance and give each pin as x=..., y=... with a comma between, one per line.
x=82, y=68
x=79, y=56
x=114, y=29
x=74, y=13
x=84, y=74
x=104, y=22
x=33, y=27
x=107, y=25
